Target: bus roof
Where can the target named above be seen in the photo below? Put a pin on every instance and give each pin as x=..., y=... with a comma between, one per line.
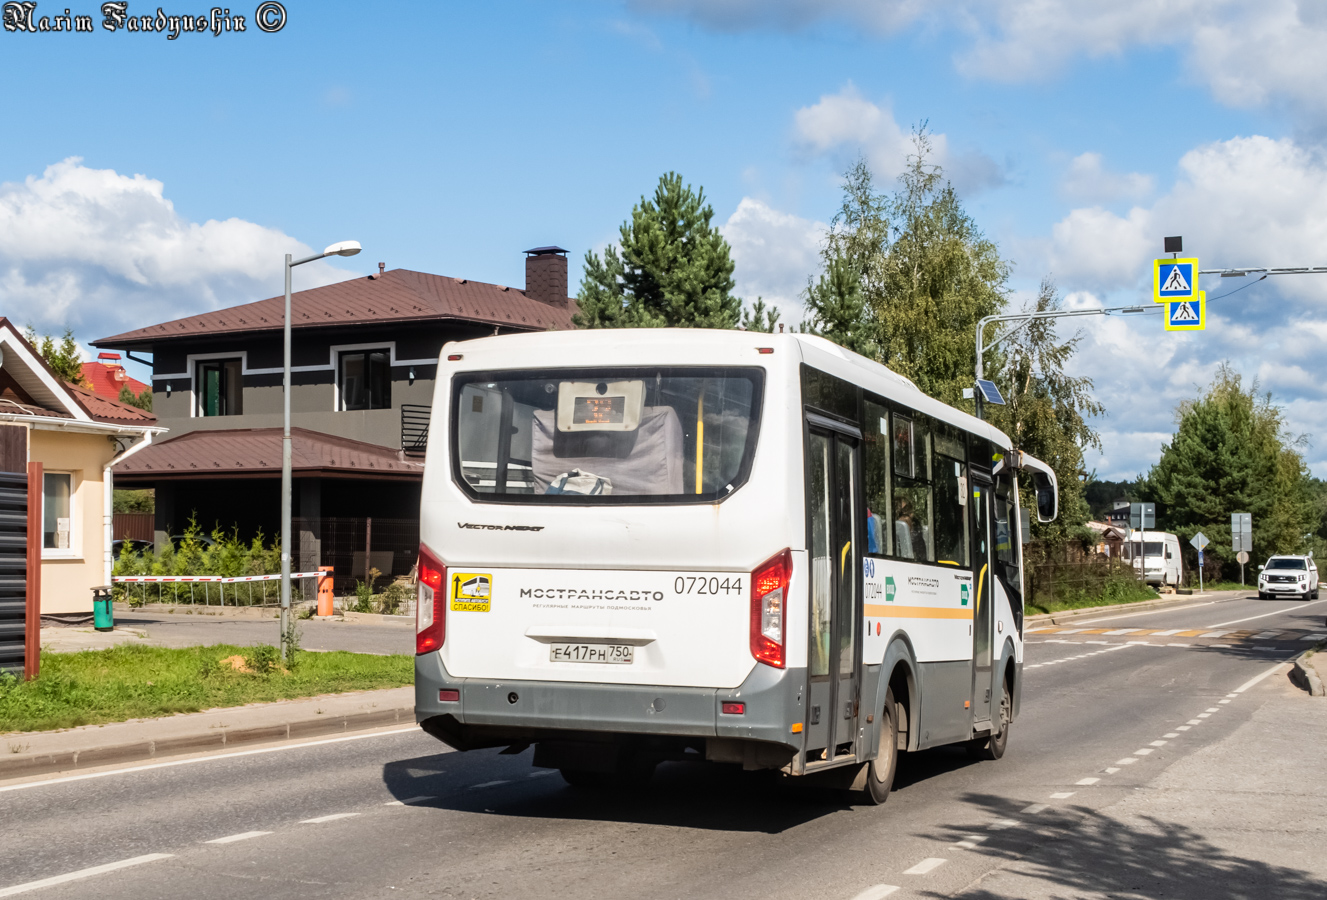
x=602, y=344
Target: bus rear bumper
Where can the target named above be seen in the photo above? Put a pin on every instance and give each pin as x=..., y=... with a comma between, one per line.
x=489, y=713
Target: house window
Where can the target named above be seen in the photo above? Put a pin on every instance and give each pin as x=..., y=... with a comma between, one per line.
x=220, y=388
x=57, y=511
x=366, y=380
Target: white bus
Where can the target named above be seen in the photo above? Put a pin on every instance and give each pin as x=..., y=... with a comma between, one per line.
x=744, y=547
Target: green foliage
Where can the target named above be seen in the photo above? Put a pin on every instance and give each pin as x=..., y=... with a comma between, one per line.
x=1231, y=453
x=263, y=659
x=64, y=357
x=1101, y=495
x=393, y=600
x=363, y=597
x=925, y=273
x=760, y=317
x=142, y=401
x=126, y=501
x=133, y=681
x=674, y=270
x=1046, y=412
x=226, y=555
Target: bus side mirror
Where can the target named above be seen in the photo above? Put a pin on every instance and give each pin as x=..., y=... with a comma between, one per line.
x=1047, y=502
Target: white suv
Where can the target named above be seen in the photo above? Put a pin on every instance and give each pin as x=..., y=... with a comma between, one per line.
x=1295, y=576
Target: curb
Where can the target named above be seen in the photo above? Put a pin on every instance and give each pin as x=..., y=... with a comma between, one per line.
x=1304, y=676
x=1053, y=618
x=21, y=765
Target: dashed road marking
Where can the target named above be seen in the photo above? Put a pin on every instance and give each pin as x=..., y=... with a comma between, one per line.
x=930, y=864
x=875, y=892
x=242, y=836
x=1002, y=824
x=1062, y=795
x=1159, y=743
x=1111, y=770
x=1204, y=716
x=541, y=774
x=82, y=873
x=332, y=818
x=1170, y=734
x=410, y=801
x=1193, y=722
x=485, y=784
x=1127, y=761
x=1183, y=727
x=1034, y=809
x=1212, y=709
x=1144, y=751
x=971, y=841
x=1087, y=781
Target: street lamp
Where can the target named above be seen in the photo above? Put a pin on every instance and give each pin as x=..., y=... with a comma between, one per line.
x=342, y=248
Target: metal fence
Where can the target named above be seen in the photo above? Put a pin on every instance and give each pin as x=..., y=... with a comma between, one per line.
x=133, y=526
x=1070, y=572
x=353, y=546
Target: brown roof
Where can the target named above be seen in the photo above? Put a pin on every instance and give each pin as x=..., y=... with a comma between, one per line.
x=399, y=295
x=104, y=409
x=256, y=453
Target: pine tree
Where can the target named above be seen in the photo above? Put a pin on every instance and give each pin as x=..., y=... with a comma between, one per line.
x=1231, y=453
x=674, y=270
x=64, y=358
x=142, y=401
x=760, y=317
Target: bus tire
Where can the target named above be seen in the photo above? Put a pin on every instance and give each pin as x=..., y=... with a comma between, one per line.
x=880, y=771
x=993, y=747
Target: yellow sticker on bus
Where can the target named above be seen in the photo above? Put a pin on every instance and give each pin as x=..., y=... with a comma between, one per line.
x=471, y=591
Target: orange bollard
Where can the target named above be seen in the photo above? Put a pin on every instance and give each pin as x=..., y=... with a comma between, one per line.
x=325, y=591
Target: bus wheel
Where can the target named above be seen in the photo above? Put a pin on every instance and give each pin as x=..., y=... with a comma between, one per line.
x=880, y=771
x=993, y=746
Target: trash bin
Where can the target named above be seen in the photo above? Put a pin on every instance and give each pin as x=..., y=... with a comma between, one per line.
x=103, y=617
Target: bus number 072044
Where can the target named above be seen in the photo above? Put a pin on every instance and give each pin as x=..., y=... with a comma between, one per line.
x=699, y=584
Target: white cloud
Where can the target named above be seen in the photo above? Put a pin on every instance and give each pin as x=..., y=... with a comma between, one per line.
x=103, y=253
x=1088, y=180
x=847, y=121
x=1248, y=201
x=1248, y=52
x=774, y=253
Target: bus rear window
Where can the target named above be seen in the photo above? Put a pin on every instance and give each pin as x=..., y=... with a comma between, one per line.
x=605, y=436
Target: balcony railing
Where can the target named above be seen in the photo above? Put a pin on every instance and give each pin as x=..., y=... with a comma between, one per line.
x=415, y=428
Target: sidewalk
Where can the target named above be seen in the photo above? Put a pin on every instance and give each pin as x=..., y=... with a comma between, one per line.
x=1245, y=817
x=37, y=753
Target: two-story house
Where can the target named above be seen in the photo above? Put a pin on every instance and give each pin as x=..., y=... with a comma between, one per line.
x=364, y=358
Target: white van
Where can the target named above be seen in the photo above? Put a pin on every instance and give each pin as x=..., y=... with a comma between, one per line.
x=1156, y=556
x=665, y=544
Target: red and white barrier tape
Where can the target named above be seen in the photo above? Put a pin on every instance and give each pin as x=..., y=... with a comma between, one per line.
x=210, y=579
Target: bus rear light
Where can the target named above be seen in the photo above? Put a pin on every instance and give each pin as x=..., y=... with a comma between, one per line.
x=446, y=696
x=734, y=709
x=769, y=597
x=430, y=603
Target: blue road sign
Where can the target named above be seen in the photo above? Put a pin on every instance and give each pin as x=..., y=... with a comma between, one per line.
x=1174, y=279
x=1187, y=315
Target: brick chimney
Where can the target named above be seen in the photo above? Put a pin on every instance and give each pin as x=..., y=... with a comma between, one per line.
x=546, y=275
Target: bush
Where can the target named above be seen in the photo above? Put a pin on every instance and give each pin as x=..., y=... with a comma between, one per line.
x=392, y=601
x=226, y=556
x=364, y=598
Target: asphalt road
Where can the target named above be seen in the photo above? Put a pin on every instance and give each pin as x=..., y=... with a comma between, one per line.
x=1114, y=716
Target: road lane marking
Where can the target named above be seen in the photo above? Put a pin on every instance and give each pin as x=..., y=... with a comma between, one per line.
x=1168, y=631
x=410, y=800
x=1279, y=667
x=1087, y=781
x=1034, y=809
x=930, y=864
x=1213, y=709
x=1279, y=612
x=242, y=836
x=541, y=774
x=1127, y=761
x=202, y=759
x=876, y=892
x=1183, y=727
x=1179, y=645
x=485, y=784
x=1313, y=637
x=1170, y=734
x=1002, y=824
x=1218, y=646
x=82, y=873
x=1144, y=751
x=1194, y=722
x=332, y=818
x=1159, y=612
x=1062, y=795
x=1122, y=631
x=1110, y=770
x=1204, y=715
x=971, y=841
x=1161, y=743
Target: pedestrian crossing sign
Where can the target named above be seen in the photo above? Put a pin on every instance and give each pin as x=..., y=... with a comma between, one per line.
x=1174, y=279
x=1187, y=315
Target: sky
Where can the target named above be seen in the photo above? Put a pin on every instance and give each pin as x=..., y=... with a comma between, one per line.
x=145, y=178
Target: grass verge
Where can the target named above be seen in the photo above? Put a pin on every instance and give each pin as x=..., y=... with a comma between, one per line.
x=1116, y=593
x=130, y=682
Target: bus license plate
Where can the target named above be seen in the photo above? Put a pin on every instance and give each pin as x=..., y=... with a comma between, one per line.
x=619, y=654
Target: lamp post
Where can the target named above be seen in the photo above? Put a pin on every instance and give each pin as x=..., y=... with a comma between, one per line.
x=343, y=248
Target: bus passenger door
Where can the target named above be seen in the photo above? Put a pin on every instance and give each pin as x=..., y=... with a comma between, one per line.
x=983, y=565
x=836, y=515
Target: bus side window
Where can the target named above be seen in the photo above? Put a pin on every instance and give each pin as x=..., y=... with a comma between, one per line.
x=913, y=531
x=879, y=536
